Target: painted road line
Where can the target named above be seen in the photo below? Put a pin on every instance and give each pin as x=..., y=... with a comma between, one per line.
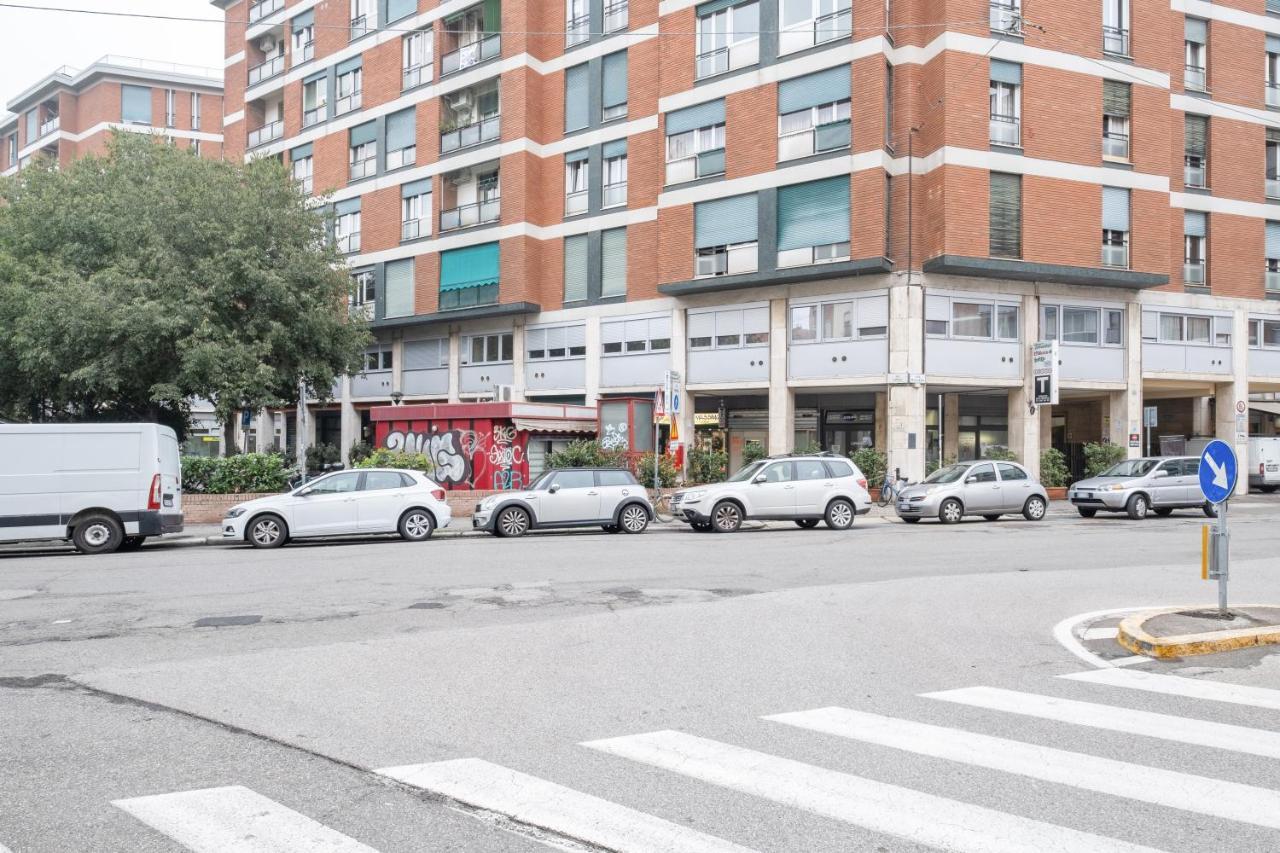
x=1112, y=718
x=1191, y=688
x=901, y=812
x=236, y=820
x=544, y=804
x=1129, y=661
x=1100, y=633
x=1185, y=791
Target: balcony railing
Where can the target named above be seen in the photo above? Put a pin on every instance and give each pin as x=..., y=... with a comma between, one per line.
x=259, y=10
x=363, y=311
x=314, y=115
x=415, y=76
x=471, y=54
x=266, y=133
x=1194, y=78
x=728, y=58
x=814, y=140
x=616, y=16
x=1115, y=40
x=402, y=157
x=577, y=30
x=1273, y=94
x=726, y=260
x=1115, y=145
x=1005, y=17
x=824, y=28
x=364, y=168
x=575, y=203
x=359, y=27
x=1273, y=281
x=305, y=53
x=1193, y=175
x=347, y=103
x=412, y=229
x=485, y=130
x=614, y=195
x=1193, y=272
x=1115, y=256
x=1273, y=187
x=266, y=70
x=702, y=165
x=808, y=255
x=49, y=126
x=1005, y=129
x=466, y=215
x=348, y=243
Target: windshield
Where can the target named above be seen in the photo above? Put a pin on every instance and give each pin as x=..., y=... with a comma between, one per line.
x=747, y=472
x=949, y=474
x=1130, y=468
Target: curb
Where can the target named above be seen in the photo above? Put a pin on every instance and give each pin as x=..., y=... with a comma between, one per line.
x=1133, y=637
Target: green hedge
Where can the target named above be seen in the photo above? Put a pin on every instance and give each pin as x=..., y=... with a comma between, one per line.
x=383, y=458
x=244, y=472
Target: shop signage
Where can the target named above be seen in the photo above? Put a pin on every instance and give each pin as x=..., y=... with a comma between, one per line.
x=1044, y=373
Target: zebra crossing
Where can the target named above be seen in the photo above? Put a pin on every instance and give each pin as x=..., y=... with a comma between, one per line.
x=236, y=819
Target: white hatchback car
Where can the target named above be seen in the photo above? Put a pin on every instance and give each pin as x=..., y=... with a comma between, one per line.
x=370, y=500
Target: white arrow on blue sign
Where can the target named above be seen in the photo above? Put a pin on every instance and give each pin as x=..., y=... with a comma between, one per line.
x=1218, y=471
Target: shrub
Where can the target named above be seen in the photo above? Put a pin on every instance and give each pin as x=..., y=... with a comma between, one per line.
x=244, y=472
x=809, y=448
x=586, y=454
x=320, y=455
x=1100, y=457
x=933, y=465
x=708, y=466
x=872, y=463
x=197, y=472
x=359, y=450
x=383, y=458
x=999, y=453
x=642, y=466
x=1053, y=467
x=753, y=452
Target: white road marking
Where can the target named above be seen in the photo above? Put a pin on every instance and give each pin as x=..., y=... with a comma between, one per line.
x=236, y=820
x=1192, y=688
x=538, y=802
x=1185, y=791
x=1100, y=633
x=901, y=812
x=1129, y=661
x=1127, y=720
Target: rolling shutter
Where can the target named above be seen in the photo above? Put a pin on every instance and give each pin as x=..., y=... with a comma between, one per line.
x=302, y=152
x=1195, y=223
x=616, y=148
x=715, y=6
x=576, y=97
x=813, y=214
x=397, y=9
x=702, y=325
x=414, y=188
x=400, y=130
x=397, y=287
x=937, y=308
x=426, y=355
x=1006, y=72
x=755, y=321
x=611, y=333
x=304, y=20
x=613, y=262
x=1196, y=31
x=725, y=221
x=1273, y=42
x=473, y=266
x=1006, y=215
x=575, y=268
x=362, y=133
x=350, y=205
x=1273, y=240
x=577, y=156
x=1197, y=135
x=614, y=74
x=1150, y=325
x=575, y=336
x=1117, y=98
x=824, y=87
x=349, y=65
x=1115, y=209
x=873, y=311
x=699, y=115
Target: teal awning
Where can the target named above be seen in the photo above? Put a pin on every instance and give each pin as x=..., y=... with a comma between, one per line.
x=472, y=266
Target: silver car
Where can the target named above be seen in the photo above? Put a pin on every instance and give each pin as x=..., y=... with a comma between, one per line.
x=1140, y=486
x=982, y=487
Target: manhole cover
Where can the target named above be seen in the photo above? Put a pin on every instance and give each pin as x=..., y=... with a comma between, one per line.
x=226, y=621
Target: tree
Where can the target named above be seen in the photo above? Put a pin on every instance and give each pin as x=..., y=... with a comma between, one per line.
x=132, y=282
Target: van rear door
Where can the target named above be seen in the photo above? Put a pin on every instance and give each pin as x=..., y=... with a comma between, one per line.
x=170, y=472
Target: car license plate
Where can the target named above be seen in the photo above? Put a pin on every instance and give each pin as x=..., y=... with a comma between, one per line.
x=1273, y=467
x=1086, y=495
x=904, y=505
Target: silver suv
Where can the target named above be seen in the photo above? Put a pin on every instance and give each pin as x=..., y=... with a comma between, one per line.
x=805, y=489
x=1140, y=486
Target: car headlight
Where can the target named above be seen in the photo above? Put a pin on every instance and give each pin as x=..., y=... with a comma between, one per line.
x=488, y=502
x=692, y=496
x=1115, y=487
x=235, y=512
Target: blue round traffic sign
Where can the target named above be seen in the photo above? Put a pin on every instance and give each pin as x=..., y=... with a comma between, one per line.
x=1218, y=471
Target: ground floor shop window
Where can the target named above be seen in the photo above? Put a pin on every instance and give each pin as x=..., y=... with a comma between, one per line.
x=847, y=432
x=980, y=433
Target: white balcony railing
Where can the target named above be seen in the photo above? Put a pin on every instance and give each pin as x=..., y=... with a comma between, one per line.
x=726, y=260
x=415, y=76
x=267, y=133
x=824, y=28
x=577, y=30
x=1273, y=94
x=814, y=140
x=348, y=243
x=259, y=10
x=615, y=16
x=1273, y=281
x=364, y=168
x=1115, y=256
x=1115, y=40
x=363, y=311
x=1273, y=188
x=316, y=114
x=575, y=203
x=614, y=195
x=467, y=135
x=1194, y=78
x=412, y=229
x=1193, y=175
x=359, y=27
x=724, y=59
x=1115, y=145
x=808, y=255
x=266, y=70
x=702, y=165
x=305, y=53
x=471, y=54
x=1006, y=130
x=1193, y=272
x=466, y=215
x=49, y=126
x=347, y=103
x=402, y=157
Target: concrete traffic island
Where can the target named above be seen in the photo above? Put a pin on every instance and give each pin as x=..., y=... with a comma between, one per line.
x=1183, y=632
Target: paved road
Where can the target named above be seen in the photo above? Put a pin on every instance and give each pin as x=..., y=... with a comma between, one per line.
x=662, y=692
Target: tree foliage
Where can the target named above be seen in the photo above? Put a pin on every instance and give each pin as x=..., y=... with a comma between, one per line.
x=133, y=282
x=1100, y=457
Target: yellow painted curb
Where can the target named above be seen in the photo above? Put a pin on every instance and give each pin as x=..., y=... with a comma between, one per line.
x=1133, y=637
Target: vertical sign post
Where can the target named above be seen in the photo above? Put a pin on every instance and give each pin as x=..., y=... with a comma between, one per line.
x=1218, y=472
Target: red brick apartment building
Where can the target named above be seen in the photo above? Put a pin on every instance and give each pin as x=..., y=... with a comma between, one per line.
x=842, y=221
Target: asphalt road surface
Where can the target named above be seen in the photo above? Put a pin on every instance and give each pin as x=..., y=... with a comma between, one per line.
x=889, y=688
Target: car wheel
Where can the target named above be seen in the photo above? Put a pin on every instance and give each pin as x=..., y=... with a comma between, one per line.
x=1137, y=507
x=992, y=517
x=911, y=520
x=611, y=528
x=807, y=523
x=1210, y=510
x=132, y=543
x=840, y=514
x=416, y=525
x=267, y=531
x=634, y=518
x=513, y=521
x=1087, y=511
x=701, y=526
x=951, y=511
x=1164, y=511
x=726, y=517
x=98, y=534
x=1034, y=508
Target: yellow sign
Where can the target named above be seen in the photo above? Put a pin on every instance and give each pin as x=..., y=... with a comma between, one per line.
x=210, y=438
x=1204, y=552
x=699, y=419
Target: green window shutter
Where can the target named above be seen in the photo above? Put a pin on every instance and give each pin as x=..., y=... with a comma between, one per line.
x=577, y=156
x=699, y=115
x=362, y=133
x=414, y=188
x=400, y=129
x=397, y=288
x=576, y=97
x=349, y=65
x=492, y=16
x=397, y=9
x=135, y=105
x=616, y=148
x=614, y=74
x=350, y=205
x=724, y=221
x=472, y=266
x=813, y=214
x=306, y=19
x=1006, y=72
x=302, y=152
x=575, y=268
x=1006, y=215
x=1116, y=98
x=613, y=258
x=812, y=90
x=1197, y=130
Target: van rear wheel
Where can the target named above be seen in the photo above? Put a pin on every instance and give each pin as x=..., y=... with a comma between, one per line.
x=97, y=534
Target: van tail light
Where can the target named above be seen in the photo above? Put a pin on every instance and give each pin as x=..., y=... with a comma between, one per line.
x=153, y=499
x=438, y=494
x=862, y=481
x=1262, y=468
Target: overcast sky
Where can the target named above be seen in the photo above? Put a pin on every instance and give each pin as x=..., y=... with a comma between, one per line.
x=34, y=43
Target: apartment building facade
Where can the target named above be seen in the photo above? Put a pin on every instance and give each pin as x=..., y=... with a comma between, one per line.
x=844, y=222
x=72, y=112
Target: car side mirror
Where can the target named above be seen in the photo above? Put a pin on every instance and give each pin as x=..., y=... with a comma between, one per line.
x=305, y=493
x=1160, y=473
x=968, y=480
x=760, y=478
x=555, y=487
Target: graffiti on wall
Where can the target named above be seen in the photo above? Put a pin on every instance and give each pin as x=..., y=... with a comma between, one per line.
x=615, y=437
x=462, y=457
x=446, y=450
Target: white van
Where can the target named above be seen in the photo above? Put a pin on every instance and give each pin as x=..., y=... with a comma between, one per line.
x=103, y=486
x=1264, y=463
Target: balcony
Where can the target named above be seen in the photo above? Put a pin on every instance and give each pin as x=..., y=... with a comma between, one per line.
x=415, y=76
x=477, y=213
x=471, y=54
x=315, y=115
x=305, y=53
x=348, y=243
x=575, y=203
x=365, y=167
x=267, y=133
x=724, y=59
x=50, y=125
x=726, y=260
x=1115, y=145
x=467, y=135
x=1006, y=130
x=814, y=140
x=616, y=16
x=1273, y=281
x=615, y=195
x=1193, y=272
x=1195, y=78
x=825, y=28
x=259, y=10
x=1115, y=40
x=266, y=70
x=1273, y=94
x=809, y=255
x=1005, y=17
x=347, y=103
x=702, y=165
x=402, y=157
x=412, y=229
x=1116, y=256
x=577, y=30
x=359, y=27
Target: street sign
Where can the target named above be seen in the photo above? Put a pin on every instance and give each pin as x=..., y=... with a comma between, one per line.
x=1044, y=373
x=1241, y=407
x=1150, y=416
x=1217, y=471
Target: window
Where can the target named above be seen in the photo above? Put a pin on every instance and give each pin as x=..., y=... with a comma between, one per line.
x=377, y=358
x=558, y=342
x=304, y=37
x=1049, y=322
x=1113, y=329
x=1199, y=329
x=575, y=480
x=728, y=37
x=1116, y=107
x=13, y=150
x=613, y=72
x=615, y=478
x=842, y=320
x=729, y=328
x=1273, y=71
x=364, y=293
x=575, y=268
x=1080, y=325
x=619, y=337
x=135, y=106
x=1011, y=472
x=1172, y=327
x=170, y=108
x=349, y=87
x=615, y=15
x=577, y=22
x=397, y=288
x=1083, y=325
x=778, y=472
x=813, y=222
x=1005, y=214
x=1006, y=103
x=695, y=142
x=813, y=113
x=301, y=164
x=809, y=22
x=1007, y=322
x=488, y=349
x=577, y=101
x=397, y=9
x=360, y=23
x=1272, y=163
x=402, y=146
x=725, y=233
x=1115, y=27
x=1196, y=36
x=469, y=276
x=336, y=484
x=1195, y=246
x=195, y=147
x=1115, y=227
x=961, y=318
x=888, y=106
x=1273, y=257
x=415, y=209
x=577, y=170
x=615, y=174
x=1196, y=143
x=971, y=320
x=195, y=110
x=363, y=151
x=346, y=229
x=613, y=262
x=415, y=55
x=314, y=100
x=810, y=469
x=376, y=481
x=1269, y=331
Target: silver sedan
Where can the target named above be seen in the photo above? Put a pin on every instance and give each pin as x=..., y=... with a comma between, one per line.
x=983, y=487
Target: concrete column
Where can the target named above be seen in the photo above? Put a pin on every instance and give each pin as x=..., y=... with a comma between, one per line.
x=782, y=401
x=882, y=421
x=1231, y=425
x=1024, y=415
x=680, y=364
x=349, y=420
x=455, y=365
x=264, y=427
x=517, y=361
x=1201, y=417
x=950, y=426
x=907, y=433
x=591, y=390
x=397, y=360
x=1126, y=406
x=1046, y=427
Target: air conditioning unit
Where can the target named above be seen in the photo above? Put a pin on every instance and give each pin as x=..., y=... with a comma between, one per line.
x=504, y=393
x=267, y=44
x=460, y=102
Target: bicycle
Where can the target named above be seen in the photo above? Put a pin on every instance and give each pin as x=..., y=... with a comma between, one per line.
x=891, y=487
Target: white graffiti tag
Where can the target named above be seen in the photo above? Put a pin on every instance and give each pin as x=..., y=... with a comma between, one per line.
x=615, y=437
x=445, y=449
